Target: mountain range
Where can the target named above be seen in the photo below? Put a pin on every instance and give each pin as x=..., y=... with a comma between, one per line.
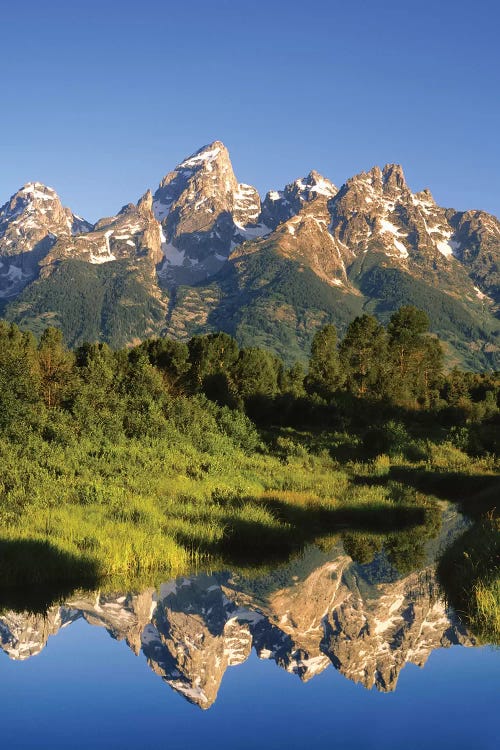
x=204, y=253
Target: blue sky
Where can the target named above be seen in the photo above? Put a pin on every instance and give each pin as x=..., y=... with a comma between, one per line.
x=100, y=99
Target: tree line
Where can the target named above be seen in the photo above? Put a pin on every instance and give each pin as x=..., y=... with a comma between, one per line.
x=134, y=391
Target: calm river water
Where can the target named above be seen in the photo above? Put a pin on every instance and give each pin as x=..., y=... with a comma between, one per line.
x=320, y=651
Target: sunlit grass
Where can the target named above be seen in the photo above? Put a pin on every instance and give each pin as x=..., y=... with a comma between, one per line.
x=486, y=617
x=137, y=508
x=470, y=571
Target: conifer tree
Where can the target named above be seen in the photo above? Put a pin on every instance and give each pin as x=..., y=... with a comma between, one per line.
x=363, y=356
x=256, y=373
x=324, y=375
x=414, y=358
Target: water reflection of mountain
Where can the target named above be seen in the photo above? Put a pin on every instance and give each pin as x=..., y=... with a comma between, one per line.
x=322, y=610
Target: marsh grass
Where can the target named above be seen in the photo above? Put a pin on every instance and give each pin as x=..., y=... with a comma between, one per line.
x=470, y=573
x=139, y=507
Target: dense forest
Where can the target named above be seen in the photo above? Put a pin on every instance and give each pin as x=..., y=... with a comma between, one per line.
x=170, y=454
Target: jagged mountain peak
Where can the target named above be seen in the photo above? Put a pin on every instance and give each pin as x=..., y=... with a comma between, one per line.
x=388, y=180
x=37, y=191
x=145, y=202
x=205, y=156
x=213, y=156
x=393, y=175
x=204, y=212
x=281, y=205
x=37, y=198
x=144, y=206
x=30, y=197
x=377, y=212
x=313, y=185
x=193, y=629
x=359, y=238
x=133, y=234
x=30, y=222
x=208, y=173
x=372, y=178
x=425, y=195
x=124, y=210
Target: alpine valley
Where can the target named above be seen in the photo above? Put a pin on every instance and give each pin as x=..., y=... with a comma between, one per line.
x=205, y=253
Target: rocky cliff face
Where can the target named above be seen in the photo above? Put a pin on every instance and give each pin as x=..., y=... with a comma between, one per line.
x=133, y=235
x=204, y=212
x=195, y=634
x=301, y=216
x=375, y=212
x=200, y=214
x=194, y=628
x=124, y=616
x=23, y=634
x=281, y=205
x=477, y=237
x=30, y=223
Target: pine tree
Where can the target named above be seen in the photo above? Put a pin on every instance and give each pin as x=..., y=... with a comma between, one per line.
x=256, y=373
x=363, y=356
x=19, y=381
x=415, y=358
x=209, y=355
x=324, y=375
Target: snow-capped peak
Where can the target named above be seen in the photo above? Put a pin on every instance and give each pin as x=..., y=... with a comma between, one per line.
x=275, y=195
x=31, y=200
x=315, y=184
x=214, y=176
x=37, y=190
x=204, y=156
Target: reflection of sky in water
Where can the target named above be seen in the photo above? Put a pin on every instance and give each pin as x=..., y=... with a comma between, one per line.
x=86, y=690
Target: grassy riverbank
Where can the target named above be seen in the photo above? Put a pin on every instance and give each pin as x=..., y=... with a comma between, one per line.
x=144, y=506
x=137, y=507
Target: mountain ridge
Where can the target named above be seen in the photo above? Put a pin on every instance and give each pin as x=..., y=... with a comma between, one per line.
x=189, y=249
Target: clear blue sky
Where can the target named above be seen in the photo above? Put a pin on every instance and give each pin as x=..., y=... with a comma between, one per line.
x=100, y=99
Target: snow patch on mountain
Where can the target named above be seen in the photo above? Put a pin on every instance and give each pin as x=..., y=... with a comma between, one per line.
x=161, y=210
x=173, y=256
x=251, y=232
x=37, y=191
x=204, y=156
x=388, y=227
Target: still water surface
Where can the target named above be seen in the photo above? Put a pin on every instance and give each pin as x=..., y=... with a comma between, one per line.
x=319, y=652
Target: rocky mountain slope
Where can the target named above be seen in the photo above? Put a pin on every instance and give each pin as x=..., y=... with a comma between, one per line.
x=365, y=620
x=205, y=253
x=30, y=223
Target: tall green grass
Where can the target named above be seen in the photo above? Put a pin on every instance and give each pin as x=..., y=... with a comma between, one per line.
x=470, y=573
x=138, y=507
